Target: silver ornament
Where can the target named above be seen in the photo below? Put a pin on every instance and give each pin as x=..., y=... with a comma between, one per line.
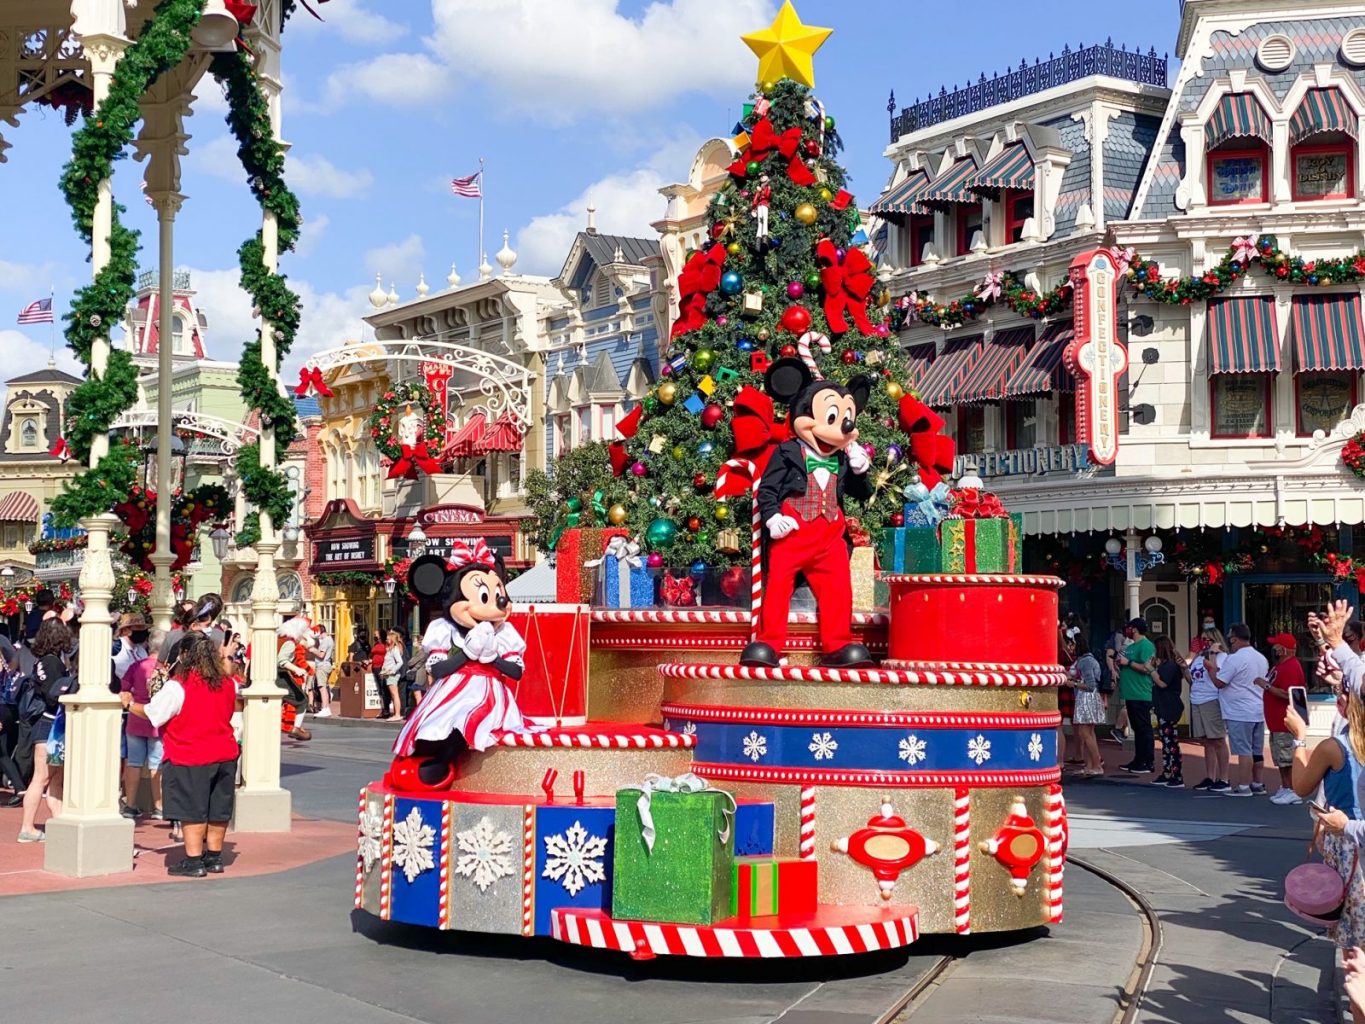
x=95, y=320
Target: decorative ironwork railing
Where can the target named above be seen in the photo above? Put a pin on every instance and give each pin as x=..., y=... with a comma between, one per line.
x=1072, y=65
x=180, y=280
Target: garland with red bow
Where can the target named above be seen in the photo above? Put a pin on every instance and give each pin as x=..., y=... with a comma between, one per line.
x=678, y=591
x=757, y=435
x=310, y=381
x=699, y=278
x=764, y=141
x=847, y=281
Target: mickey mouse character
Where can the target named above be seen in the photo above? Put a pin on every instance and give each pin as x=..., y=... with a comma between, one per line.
x=800, y=500
x=471, y=651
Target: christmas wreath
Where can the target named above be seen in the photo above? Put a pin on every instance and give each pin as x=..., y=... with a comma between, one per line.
x=1353, y=454
x=408, y=459
x=189, y=511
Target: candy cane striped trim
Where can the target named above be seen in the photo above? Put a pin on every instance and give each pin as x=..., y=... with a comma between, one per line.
x=755, y=561
x=645, y=940
x=889, y=677
x=386, y=861
x=803, y=345
x=962, y=861
x=528, y=869
x=1000, y=579
x=600, y=741
x=1054, y=809
x=715, y=616
x=443, y=906
x=689, y=642
x=807, y=822
x=912, y=719
x=360, y=853
x=900, y=780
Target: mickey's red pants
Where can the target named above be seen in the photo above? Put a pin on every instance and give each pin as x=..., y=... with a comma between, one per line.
x=819, y=551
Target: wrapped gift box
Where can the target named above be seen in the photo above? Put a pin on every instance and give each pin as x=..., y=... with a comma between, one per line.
x=863, y=575
x=753, y=828
x=622, y=579
x=688, y=876
x=573, y=859
x=983, y=545
x=910, y=549
x=575, y=581
x=764, y=886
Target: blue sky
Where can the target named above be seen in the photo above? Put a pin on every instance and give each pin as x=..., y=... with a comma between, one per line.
x=566, y=99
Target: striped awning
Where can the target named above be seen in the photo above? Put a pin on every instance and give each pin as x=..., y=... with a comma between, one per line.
x=1012, y=167
x=950, y=369
x=955, y=186
x=19, y=507
x=920, y=358
x=1043, y=371
x=1237, y=116
x=1322, y=110
x=1003, y=356
x=1327, y=333
x=902, y=198
x=1242, y=337
x=502, y=436
x=462, y=445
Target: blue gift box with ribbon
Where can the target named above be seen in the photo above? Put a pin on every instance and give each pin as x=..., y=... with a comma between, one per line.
x=623, y=581
x=927, y=509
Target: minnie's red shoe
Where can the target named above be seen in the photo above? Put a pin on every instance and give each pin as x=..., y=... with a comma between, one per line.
x=405, y=776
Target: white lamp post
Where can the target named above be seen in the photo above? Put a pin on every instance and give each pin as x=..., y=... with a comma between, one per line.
x=417, y=541
x=390, y=585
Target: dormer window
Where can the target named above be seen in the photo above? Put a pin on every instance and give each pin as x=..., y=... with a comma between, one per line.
x=601, y=291
x=1237, y=138
x=1322, y=147
x=1018, y=209
x=28, y=433
x=180, y=338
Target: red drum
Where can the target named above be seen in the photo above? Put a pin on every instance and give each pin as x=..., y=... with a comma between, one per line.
x=975, y=618
x=554, y=688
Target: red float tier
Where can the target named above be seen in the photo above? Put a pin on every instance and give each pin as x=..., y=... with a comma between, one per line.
x=970, y=618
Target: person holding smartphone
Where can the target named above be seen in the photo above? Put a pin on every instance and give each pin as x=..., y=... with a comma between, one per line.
x=1285, y=672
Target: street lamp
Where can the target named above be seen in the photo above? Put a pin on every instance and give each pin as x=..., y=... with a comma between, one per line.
x=220, y=538
x=417, y=541
x=132, y=597
x=7, y=572
x=1113, y=547
x=390, y=585
x=291, y=533
x=179, y=455
x=179, y=593
x=1148, y=558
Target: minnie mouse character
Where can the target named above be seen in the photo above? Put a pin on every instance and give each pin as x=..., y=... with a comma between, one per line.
x=471, y=650
x=800, y=500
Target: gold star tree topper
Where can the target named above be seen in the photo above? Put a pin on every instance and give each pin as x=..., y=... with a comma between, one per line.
x=786, y=47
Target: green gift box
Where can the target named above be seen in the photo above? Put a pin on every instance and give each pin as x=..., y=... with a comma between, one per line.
x=910, y=549
x=688, y=876
x=983, y=545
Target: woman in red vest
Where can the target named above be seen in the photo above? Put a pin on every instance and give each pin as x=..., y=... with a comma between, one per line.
x=194, y=709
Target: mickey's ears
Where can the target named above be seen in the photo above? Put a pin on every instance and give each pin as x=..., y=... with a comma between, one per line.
x=785, y=379
x=427, y=577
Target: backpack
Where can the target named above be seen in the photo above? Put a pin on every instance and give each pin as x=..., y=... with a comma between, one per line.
x=28, y=702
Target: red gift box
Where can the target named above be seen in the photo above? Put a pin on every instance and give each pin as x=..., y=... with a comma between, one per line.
x=765, y=886
x=574, y=581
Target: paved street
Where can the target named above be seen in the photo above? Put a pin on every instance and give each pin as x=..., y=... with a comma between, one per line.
x=288, y=947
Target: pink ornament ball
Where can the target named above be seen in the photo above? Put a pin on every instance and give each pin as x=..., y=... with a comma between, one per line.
x=654, y=561
x=883, y=331
x=795, y=289
x=871, y=450
x=665, y=370
x=639, y=469
x=722, y=320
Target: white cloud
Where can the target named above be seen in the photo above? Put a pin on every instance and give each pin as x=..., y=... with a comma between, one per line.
x=310, y=234
x=351, y=21
x=209, y=98
x=35, y=278
x=24, y=354
x=399, y=263
x=560, y=61
x=318, y=176
x=397, y=79
x=217, y=158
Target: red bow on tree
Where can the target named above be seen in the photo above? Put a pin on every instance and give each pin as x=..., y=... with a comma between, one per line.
x=928, y=446
x=310, y=378
x=974, y=503
x=847, y=283
x=677, y=590
x=242, y=11
x=756, y=435
x=413, y=458
x=699, y=278
x=763, y=142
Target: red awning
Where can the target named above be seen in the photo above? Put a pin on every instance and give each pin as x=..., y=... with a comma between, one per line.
x=502, y=436
x=466, y=439
x=19, y=507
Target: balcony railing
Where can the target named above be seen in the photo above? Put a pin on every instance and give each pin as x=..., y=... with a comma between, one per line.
x=1071, y=66
x=180, y=280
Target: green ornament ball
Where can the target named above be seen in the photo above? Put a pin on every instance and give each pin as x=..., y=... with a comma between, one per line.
x=651, y=405
x=679, y=453
x=812, y=280
x=703, y=359
x=574, y=505
x=661, y=533
x=751, y=168
x=829, y=123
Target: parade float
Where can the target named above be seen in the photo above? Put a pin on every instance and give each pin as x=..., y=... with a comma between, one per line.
x=679, y=757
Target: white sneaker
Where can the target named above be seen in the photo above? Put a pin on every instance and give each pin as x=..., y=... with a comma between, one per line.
x=1286, y=798
x=324, y=713
x=1238, y=791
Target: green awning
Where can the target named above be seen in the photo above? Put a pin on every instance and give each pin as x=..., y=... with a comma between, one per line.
x=901, y=199
x=950, y=369
x=1012, y=168
x=1237, y=116
x=1322, y=111
x=1001, y=358
x=1242, y=337
x=1327, y=332
x=1043, y=372
x=955, y=186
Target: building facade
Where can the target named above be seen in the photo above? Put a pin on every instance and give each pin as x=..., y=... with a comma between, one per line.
x=1228, y=489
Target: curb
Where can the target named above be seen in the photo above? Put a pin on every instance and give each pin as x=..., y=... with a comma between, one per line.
x=313, y=722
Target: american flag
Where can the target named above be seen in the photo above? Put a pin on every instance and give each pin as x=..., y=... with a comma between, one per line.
x=39, y=312
x=467, y=187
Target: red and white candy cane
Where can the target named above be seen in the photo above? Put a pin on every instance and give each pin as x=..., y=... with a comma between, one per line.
x=443, y=900
x=803, y=347
x=962, y=861
x=528, y=869
x=360, y=853
x=756, y=565
x=386, y=861
x=807, y=823
x=1054, y=815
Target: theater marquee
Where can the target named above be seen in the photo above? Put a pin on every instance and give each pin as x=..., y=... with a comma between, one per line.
x=1095, y=356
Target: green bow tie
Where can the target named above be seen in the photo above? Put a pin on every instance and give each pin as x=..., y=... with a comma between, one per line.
x=814, y=462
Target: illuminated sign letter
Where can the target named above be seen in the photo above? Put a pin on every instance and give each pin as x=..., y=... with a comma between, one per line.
x=1095, y=356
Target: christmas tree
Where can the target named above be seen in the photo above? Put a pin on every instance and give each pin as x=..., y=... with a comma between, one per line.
x=782, y=275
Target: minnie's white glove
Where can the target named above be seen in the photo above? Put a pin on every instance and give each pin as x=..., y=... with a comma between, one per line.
x=780, y=525
x=480, y=644
x=858, y=459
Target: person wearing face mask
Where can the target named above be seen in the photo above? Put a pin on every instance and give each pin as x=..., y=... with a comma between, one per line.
x=130, y=643
x=1206, y=713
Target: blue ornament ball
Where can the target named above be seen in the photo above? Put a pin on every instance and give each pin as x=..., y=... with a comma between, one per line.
x=705, y=448
x=744, y=345
x=698, y=569
x=774, y=241
x=731, y=282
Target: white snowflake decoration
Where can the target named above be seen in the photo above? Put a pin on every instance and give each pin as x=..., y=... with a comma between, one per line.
x=912, y=750
x=979, y=749
x=485, y=855
x=823, y=746
x=755, y=746
x=689, y=729
x=1035, y=747
x=574, y=859
x=412, y=843
x=371, y=835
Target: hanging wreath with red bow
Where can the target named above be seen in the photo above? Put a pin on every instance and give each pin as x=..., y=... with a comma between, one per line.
x=189, y=511
x=1353, y=454
x=416, y=452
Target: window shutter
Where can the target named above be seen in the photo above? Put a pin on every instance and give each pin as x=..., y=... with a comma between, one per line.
x=1275, y=53
x=1353, y=47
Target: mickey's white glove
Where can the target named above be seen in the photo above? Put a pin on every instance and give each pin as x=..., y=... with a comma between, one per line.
x=858, y=459
x=779, y=526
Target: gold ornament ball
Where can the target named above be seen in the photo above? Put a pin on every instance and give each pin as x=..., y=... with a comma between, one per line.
x=734, y=248
x=768, y=87
x=668, y=392
x=722, y=513
x=806, y=213
x=894, y=391
x=763, y=334
x=616, y=515
x=826, y=194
